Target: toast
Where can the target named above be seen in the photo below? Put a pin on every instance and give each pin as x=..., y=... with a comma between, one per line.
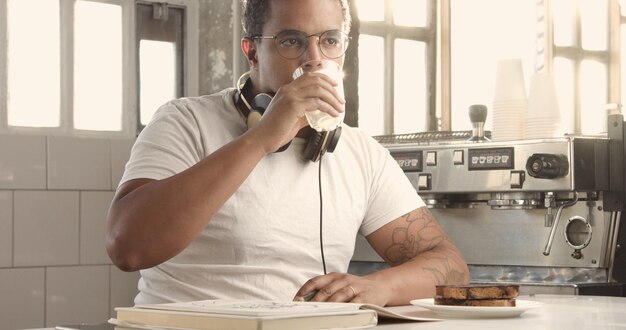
x=477, y=295
x=477, y=291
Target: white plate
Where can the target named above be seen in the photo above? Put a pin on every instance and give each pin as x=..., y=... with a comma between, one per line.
x=477, y=311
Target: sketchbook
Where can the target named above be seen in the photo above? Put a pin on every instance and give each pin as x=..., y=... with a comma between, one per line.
x=252, y=314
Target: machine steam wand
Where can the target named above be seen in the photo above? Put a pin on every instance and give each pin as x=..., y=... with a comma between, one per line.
x=550, y=203
x=546, y=251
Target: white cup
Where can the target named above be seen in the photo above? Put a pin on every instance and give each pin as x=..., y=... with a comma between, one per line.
x=319, y=120
x=509, y=82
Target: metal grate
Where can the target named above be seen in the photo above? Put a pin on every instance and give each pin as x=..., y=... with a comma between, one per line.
x=424, y=137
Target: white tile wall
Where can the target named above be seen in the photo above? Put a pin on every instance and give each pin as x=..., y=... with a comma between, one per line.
x=77, y=294
x=54, y=195
x=120, y=151
x=79, y=163
x=45, y=228
x=6, y=228
x=22, y=162
x=94, y=206
x=123, y=288
x=22, y=298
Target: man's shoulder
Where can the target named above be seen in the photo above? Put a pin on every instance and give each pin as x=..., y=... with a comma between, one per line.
x=219, y=99
x=358, y=137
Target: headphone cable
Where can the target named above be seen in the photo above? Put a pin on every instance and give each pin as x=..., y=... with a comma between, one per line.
x=321, y=209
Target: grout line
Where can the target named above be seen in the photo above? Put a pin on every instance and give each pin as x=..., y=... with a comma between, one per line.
x=80, y=196
x=45, y=295
x=12, y=228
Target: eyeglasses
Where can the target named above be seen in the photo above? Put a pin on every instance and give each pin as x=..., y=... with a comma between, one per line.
x=293, y=43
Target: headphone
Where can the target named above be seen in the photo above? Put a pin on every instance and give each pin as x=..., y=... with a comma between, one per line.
x=318, y=143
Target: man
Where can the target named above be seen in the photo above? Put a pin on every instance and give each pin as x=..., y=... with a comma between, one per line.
x=208, y=209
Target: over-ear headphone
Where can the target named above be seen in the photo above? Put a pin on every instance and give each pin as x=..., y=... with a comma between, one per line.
x=318, y=143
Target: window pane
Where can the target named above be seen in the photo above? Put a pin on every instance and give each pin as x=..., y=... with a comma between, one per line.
x=593, y=98
x=479, y=39
x=409, y=12
x=33, y=63
x=371, y=84
x=623, y=61
x=564, y=79
x=371, y=10
x=594, y=22
x=157, y=63
x=98, y=81
x=410, y=104
x=564, y=12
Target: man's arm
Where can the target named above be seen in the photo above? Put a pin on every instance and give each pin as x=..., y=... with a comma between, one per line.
x=150, y=221
x=421, y=256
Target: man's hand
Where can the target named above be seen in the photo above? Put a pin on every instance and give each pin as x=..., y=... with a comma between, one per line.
x=285, y=115
x=339, y=287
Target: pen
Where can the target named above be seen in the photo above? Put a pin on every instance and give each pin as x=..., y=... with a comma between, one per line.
x=309, y=295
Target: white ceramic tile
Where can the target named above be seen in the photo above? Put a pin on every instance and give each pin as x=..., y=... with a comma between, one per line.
x=93, y=210
x=123, y=288
x=22, y=298
x=79, y=163
x=77, y=294
x=6, y=228
x=22, y=162
x=120, y=152
x=45, y=228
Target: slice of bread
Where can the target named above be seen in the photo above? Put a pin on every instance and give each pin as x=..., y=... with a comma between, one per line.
x=477, y=295
x=476, y=302
x=475, y=291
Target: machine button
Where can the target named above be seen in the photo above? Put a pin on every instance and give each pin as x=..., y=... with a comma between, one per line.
x=431, y=158
x=424, y=182
x=457, y=157
x=517, y=179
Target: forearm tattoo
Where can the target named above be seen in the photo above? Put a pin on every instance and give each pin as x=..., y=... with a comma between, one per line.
x=420, y=234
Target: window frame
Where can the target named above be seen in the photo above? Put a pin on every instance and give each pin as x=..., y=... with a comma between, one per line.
x=428, y=34
x=129, y=68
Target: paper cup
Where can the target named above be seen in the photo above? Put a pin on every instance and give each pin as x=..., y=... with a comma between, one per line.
x=318, y=120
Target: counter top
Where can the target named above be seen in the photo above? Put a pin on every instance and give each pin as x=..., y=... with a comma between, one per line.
x=557, y=312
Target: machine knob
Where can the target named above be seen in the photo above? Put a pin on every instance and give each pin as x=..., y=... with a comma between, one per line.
x=547, y=166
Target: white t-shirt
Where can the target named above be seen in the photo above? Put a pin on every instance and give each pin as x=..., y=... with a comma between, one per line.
x=264, y=242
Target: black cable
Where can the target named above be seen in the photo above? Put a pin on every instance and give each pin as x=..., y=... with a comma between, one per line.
x=321, y=209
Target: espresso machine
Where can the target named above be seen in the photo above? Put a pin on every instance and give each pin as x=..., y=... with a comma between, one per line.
x=542, y=213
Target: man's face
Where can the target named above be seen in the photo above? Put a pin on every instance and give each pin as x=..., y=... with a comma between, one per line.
x=308, y=16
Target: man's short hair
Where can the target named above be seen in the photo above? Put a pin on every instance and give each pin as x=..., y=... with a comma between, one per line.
x=256, y=13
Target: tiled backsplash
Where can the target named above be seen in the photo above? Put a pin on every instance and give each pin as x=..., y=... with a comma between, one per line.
x=54, y=195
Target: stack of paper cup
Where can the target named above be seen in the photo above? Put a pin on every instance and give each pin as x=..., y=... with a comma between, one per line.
x=544, y=116
x=509, y=101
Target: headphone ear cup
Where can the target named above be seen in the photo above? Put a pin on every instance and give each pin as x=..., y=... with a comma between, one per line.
x=333, y=139
x=253, y=118
x=313, y=150
x=261, y=102
x=258, y=106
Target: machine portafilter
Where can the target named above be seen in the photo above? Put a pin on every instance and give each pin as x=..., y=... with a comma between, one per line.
x=478, y=116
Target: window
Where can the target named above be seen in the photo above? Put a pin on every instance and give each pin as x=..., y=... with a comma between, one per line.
x=98, y=82
x=32, y=67
x=77, y=70
x=396, y=52
x=581, y=62
x=404, y=86
x=160, y=41
x=476, y=46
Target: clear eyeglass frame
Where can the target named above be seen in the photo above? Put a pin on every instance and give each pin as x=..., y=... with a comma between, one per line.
x=291, y=44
